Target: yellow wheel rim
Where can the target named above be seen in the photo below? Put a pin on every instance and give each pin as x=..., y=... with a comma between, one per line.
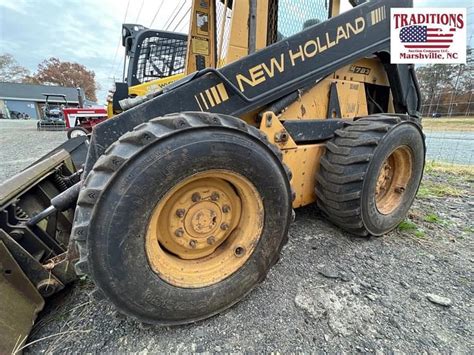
x=393, y=179
x=204, y=229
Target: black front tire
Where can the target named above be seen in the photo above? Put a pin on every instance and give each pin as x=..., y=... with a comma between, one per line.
x=119, y=195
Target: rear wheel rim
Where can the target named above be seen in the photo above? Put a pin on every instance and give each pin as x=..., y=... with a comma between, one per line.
x=204, y=229
x=393, y=179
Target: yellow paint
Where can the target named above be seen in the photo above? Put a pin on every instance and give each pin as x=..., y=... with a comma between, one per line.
x=215, y=95
x=209, y=97
x=153, y=86
x=273, y=128
x=222, y=92
x=204, y=229
x=304, y=164
x=336, y=8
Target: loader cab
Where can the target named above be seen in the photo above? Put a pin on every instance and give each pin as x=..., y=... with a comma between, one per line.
x=153, y=59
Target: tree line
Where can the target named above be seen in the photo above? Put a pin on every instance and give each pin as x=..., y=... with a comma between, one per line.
x=51, y=71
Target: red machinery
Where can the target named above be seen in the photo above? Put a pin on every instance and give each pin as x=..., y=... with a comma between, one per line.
x=79, y=121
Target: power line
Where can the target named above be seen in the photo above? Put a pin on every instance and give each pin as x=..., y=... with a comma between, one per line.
x=120, y=41
x=139, y=11
x=174, y=18
x=156, y=13
x=182, y=18
x=173, y=15
x=182, y=28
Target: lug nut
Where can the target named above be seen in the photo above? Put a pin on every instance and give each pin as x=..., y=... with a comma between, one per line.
x=224, y=226
x=211, y=240
x=400, y=190
x=215, y=196
x=180, y=212
x=196, y=197
x=179, y=232
x=226, y=208
x=192, y=243
x=239, y=251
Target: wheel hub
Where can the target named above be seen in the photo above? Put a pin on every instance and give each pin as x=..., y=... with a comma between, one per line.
x=199, y=225
x=393, y=180
x=204, y=229
x=203, y=219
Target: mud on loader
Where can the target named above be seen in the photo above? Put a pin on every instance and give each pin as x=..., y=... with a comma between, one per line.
x=185, y=199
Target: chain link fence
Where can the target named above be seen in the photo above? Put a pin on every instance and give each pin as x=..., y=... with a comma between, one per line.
x=448, y=111
x=449, y=146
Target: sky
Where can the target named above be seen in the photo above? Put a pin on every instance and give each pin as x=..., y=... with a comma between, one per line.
x=88, y=31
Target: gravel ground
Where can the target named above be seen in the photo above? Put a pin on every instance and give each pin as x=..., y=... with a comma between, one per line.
x=410, y=291
x=21, y=144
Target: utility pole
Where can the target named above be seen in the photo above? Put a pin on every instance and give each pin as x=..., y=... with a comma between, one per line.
x=433, y=93
x=468, y=111
x=450, y=111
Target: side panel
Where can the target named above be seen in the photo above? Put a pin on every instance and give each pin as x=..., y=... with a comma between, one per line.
x=350, y=90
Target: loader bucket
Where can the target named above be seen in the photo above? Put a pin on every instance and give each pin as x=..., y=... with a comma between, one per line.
x=21, y=303
x=33, y=256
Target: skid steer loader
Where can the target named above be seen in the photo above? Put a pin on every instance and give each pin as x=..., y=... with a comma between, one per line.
x=185, y=198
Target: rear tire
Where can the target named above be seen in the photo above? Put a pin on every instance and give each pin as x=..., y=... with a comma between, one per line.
x=370, y=174
x=118, y=203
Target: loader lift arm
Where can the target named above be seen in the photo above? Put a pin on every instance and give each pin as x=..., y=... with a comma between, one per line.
x=272, y=73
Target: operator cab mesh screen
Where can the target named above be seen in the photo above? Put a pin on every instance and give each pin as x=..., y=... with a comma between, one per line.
x=288, y=17
x=160, y=57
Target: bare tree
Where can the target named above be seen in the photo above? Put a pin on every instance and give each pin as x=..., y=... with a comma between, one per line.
x=10, y=70
x=447, y=89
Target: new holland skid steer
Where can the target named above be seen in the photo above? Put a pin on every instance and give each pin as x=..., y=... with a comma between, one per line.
x=183, y=201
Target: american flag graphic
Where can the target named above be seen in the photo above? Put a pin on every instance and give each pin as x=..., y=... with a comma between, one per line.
x=426, y=37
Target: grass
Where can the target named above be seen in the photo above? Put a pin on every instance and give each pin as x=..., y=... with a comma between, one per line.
x=407, y=226
x=465, y=171
x=453, y=173
x=432, y=218
x=410, y=227
x=435, y=219
x=430, y=189
x=449, y=124
x=469, y=230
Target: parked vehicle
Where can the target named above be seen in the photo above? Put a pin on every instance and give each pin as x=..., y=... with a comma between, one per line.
x=52, y=118
x=80, y=121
